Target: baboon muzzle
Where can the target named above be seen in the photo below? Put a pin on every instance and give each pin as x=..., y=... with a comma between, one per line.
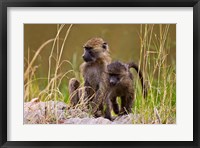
x=87, y=58
x=113, y=81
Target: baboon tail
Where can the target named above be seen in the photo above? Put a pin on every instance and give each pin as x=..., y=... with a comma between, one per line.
x=144, y=87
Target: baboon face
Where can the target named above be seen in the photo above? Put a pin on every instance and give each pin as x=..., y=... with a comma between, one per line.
x=116, y=72
x=93, y=49
x=114, y=79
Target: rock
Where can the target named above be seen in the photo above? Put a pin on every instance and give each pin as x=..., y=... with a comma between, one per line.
x=52, y=112
x=87, y=120
x=39, y=112
x=125, y=119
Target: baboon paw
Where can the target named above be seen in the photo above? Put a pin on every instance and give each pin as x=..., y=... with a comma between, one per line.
x=98, y=114
x=110, y=118
x=116, y=111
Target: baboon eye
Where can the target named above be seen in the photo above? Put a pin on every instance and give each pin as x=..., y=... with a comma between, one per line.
x=88, y=48
x=114, y=75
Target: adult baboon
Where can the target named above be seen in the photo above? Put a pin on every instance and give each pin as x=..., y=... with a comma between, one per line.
x=120, y=84
x=96, y=58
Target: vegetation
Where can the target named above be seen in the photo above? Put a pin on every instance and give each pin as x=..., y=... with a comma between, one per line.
x=158, y=107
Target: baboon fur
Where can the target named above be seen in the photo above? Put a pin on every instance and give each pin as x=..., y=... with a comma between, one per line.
x=120, y=84
x=96, y=58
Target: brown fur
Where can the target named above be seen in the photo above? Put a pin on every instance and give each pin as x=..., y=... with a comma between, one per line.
x=120, y=84
x=96, y=57
x=74, y=94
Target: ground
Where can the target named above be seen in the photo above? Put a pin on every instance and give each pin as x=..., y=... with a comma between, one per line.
x=51, y=112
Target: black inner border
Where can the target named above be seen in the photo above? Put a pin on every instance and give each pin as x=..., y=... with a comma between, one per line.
x=98, y=3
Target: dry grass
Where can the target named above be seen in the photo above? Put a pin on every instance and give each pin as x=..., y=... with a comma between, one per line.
x=160, y=105
x=54, y=78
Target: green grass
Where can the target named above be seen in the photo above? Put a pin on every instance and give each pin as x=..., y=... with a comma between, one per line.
x=158, y=107
x=160, y=104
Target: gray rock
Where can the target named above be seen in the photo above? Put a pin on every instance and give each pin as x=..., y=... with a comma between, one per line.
x=52, y=112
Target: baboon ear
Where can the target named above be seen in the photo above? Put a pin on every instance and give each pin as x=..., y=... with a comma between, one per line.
x=105, y=45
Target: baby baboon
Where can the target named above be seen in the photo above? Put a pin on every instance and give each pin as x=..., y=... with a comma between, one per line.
x=96, y=58
x=120, y=84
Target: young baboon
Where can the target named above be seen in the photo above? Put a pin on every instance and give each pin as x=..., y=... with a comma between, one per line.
x=96, y=58
x=120, y=84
